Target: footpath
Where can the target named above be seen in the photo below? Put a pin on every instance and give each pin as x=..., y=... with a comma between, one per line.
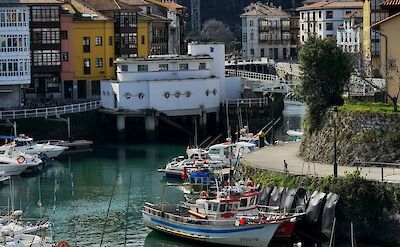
x=273, y=158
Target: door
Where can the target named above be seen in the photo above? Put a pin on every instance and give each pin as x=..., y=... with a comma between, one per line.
x=275, y=53
x=81, y=89
x=262, y=53
x=68, y=89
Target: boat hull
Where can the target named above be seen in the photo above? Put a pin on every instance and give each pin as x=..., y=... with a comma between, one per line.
x=256, y=235
x=13, y=169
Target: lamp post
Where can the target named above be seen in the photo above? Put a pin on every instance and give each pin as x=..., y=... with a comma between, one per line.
x=272, y=117
x=335, y=169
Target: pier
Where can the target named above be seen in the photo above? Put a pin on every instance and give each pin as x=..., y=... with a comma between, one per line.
x=272, y=158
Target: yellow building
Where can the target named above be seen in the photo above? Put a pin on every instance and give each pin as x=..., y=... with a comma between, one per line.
x=87, y=50
x=390, y=65
x=143, y=32
x=372, y=13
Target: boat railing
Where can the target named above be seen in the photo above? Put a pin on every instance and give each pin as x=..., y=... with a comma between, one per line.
x=149, y=208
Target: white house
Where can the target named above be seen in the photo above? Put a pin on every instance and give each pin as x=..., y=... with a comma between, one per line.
x=176, y=85
x=349, y=34
x=322, y=19
x=14, y=53
x=266, y=32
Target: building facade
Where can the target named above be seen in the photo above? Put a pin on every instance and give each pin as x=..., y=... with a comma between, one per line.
x=45, y=52
x=15, y=68
x=267, y=32
x=87, y=50
x=349, y=34
x=322, y=19
x=176, y=85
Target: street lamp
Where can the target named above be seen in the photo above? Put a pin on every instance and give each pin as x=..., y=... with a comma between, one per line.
x=272, y=117
x=335, y=114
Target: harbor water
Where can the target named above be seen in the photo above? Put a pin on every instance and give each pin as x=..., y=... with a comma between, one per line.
x=96, y=197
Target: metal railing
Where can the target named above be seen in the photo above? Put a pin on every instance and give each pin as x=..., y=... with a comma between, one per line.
x=393, y=167
x=50, y=111
x=247, y=102
x=252, y=75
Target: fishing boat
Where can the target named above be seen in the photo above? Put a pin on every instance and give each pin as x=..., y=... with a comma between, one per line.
x=213, y=221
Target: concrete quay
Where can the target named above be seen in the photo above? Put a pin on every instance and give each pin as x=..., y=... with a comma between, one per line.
x=272, y=158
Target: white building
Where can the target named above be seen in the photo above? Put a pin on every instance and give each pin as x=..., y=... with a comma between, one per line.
x=322, y=19
x=14, y=53
x=349, y=35
x=176, y=85
x=266, y=32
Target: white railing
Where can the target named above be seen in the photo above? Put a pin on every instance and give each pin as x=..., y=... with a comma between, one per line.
x=50, y=111
x=247, y=102
x=251, y=75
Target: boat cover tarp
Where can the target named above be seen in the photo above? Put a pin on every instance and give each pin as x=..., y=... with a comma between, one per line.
x=314, y=206
x=288, y=199
x=301, y=199
x=7, y=137
x=264, y=196
x=329, y=213
x=275, y=198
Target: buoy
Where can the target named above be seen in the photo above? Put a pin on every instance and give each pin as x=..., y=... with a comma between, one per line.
x=242, y=221
x=63, y=244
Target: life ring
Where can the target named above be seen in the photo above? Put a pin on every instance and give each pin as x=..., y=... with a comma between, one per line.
x=203, y=194
x=21, y=159
x=63, y=244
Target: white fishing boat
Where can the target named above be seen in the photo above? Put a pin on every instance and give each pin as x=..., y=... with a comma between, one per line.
x=26, y=145
x=212, y=221
x=16, y=227
x=11, y=154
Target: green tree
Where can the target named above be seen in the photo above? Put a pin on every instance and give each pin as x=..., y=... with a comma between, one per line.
x=326, y=71
x=214, y=30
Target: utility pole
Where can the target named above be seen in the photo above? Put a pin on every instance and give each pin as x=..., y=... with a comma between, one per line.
x=195, y=16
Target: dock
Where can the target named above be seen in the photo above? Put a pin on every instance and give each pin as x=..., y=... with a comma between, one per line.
x=71, y=145
x=272, y=158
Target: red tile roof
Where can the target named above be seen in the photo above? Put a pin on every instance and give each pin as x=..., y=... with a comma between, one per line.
x=333, y=5
x=110, y=5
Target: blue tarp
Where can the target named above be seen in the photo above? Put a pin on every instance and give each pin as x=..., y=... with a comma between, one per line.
x=198, y=175
x=7, y=137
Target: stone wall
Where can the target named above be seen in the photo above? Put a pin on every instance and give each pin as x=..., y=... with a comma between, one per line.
x=361, y=136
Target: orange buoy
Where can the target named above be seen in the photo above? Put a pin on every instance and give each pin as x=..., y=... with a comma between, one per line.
x=63, y=244
x=242, y=221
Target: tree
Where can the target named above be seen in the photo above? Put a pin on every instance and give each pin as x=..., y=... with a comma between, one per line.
x=326, y=71
x=214, y=30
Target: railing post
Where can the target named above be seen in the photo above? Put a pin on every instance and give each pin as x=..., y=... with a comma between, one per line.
x=14, y=114
x=79, y=107
x=382, y=172
x=36, y=112
x=25, y=113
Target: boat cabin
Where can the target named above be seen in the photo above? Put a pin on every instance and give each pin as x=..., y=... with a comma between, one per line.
x=24, y=141
x=219, y=208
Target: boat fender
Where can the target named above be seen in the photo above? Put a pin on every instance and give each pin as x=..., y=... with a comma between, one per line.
x=63, y=244
x=242, y=221
x=21, y=159
x=203, y=194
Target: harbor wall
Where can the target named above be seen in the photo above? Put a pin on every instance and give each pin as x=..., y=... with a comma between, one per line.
x=361, y=137
x=370, y=205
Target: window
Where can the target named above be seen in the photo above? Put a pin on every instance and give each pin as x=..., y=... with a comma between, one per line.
x=143, y=67
x=86, y=66
x=99, y=62
x=252, y=52
x=320, y=14
x=126, y=19
x=302, y=15
x=163, y=67
x=110, y=62
x=302, y=26
x=64, y=35
x=251, y=23
x=45, y=35
x=98, y=41
x=183, y=66
x=302, y=38
x=348, y=12
x=45, y=14
x=124, y=68
x=329, y=14
x=46, y=58
x=110, y=40
x=86, y=44
x=64, y=56
x=320, y=26
x=142, y=40
x=202, y=66
x=329, y=26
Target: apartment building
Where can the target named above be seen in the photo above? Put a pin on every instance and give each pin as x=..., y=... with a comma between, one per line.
x=322, y=19
x=15, y=69
x=349, y=34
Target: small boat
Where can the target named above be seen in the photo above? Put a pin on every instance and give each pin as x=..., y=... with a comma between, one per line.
x=26, y=240
x=294, y=133
x=13, y=162
x=26, y=145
